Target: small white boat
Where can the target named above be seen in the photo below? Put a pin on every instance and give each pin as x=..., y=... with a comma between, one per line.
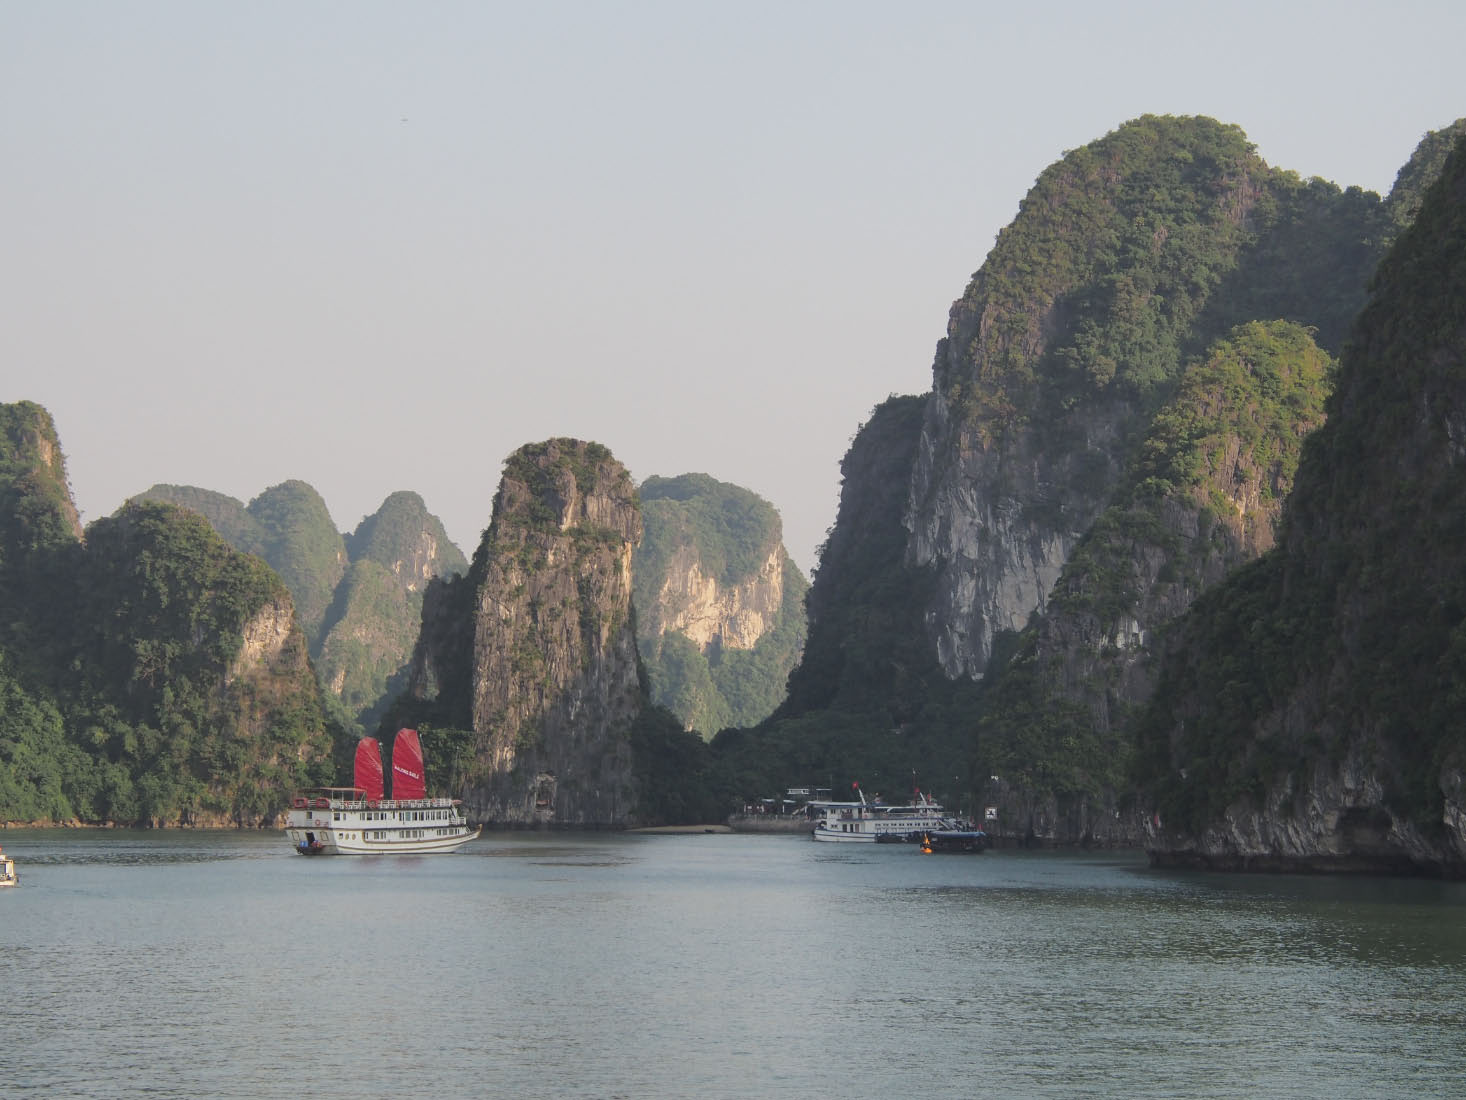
x=358, y=821
x=866, y=823
x=9, y=876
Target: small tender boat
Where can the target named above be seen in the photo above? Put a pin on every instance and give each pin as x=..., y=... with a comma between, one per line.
x=954, y=840
x=9, y=876
x=357, y=820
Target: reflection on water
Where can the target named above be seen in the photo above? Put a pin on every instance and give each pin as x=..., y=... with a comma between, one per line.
x=196, y=964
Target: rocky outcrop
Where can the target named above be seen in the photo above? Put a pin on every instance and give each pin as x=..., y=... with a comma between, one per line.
x=719, y=602
x=369, y=631
x=714, y=617
x=37, y=503
x=268, y=635
x=552, y=688
x=359, y=598
x=1308, y=716
x=1076, y=319
x=1200, y=500
x=1331, y=816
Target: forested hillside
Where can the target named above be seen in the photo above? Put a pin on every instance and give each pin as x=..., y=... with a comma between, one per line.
x=359, y=597
x=151, y=674
x=1309, y=714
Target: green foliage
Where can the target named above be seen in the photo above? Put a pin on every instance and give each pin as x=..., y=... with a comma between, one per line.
x=395, y=533
x=674, y=774
x=1351, y=634
x=731, y=529
x=302, y=544
x=229, y=517
x=1422, y=170
x=141, y=710
x=1235, y=425
x=729, y=533
x=1121, y=241
x=36, y=517
x=362, y=640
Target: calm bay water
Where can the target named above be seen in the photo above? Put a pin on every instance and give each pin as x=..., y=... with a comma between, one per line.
x=567, y=965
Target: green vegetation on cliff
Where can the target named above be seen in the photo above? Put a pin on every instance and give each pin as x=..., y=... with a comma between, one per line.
x=1200, y=498
x=1350, y=638
x=1081, y=384
x=1132, y=254
x=162, y=680
x=290, y=527
x=36, y=514
x=359, y=599
x=731, y=529
x=702, y=567
x=372, y=624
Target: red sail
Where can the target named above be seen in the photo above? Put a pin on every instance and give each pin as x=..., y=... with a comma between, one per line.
x=369, y=767
x=407, y=769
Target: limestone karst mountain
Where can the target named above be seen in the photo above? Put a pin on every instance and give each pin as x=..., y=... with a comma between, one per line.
x=359, y=597
x=987, y=508
x=719, y=602
x=148, y=674
x=528, y=664
x=1308, y=714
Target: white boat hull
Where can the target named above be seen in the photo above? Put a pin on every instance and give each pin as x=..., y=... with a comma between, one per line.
x=835, y=837
x=331, y=826
x=350, y=842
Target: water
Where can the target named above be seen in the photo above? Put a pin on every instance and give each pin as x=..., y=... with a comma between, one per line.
x=565, y=965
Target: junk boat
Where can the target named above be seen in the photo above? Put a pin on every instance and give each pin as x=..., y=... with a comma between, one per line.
x=9, y=876
x=867, y=823
x=358, y=821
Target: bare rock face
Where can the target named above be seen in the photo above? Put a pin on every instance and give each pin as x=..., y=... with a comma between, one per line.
x=553, y=687
x=1336, y=817
x=1042, y=379
x=713, y=615
x=268, y=635
x=996, y=520
x=719, y=602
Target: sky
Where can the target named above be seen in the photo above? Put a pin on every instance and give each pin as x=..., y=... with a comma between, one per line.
x=380, y=246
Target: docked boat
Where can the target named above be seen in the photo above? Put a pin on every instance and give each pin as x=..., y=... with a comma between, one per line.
x=865, y=822
x=9, y=876
x=358, y=820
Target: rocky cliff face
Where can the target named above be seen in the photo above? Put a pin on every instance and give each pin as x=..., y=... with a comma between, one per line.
x=553, y=687
x=359, y=598
x=37, y=502
x=368, y=632
x=1201, y=499
x=713, y=616
x=1309, y=715
x=720, y=616
x=1077, y=323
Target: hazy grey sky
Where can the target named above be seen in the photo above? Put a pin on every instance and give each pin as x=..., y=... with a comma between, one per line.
x=380, y=246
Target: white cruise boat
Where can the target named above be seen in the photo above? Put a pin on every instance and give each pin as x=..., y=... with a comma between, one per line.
x=9, y=876
x=865, y=823
x=358, y=821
